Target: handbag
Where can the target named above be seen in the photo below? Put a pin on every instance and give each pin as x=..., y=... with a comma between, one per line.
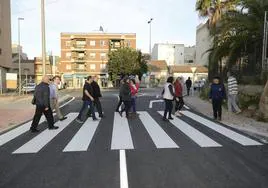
x=33, y=101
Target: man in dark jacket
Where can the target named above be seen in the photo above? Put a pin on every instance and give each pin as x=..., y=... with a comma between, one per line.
x=41, y=100
x=188, y=85
x=96, y=96
x=125, y=93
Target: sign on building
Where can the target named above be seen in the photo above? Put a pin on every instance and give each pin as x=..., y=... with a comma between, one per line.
x=11, y=80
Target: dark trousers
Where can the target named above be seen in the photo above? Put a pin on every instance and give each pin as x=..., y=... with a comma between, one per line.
x=39, y=111
x=98, y=106
x=216, y=105
x=127, y=106
x=168, y=108
x=188, y=91
x=85, y=106
x=133, y=103
x=179, y=103
x=119, y=104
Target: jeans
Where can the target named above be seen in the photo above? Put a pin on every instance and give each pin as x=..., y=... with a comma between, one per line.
x=127, y=106
x=85, y=107
x=188, y=91
x=38, y=113
x=217, y=110
x=179, y=104
x=168, y=108
x=133, y=103
x=232, y=105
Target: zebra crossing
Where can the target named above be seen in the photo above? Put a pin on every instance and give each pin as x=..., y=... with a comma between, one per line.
x=122, y=136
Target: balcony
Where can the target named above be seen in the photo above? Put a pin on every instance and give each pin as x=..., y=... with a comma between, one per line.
x=78, y=60
x=78, y=48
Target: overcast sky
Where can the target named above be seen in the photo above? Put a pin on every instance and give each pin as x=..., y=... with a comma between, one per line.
x=174, y=21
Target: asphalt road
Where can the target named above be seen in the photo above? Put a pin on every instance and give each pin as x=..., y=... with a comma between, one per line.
x=144, y=152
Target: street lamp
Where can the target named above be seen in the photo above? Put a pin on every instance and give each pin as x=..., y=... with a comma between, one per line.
x=150, y=36
x=19, y=52
x=43, y=28
x=265, y=40
x=193, y=69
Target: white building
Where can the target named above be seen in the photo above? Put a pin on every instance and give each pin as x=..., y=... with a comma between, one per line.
x=190, y=55
x=203, y=44
x=173, y=54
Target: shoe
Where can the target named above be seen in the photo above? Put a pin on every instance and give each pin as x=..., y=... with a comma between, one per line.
x=101, y=116
x=53, y=128
x=164, y=119
x=62, y=119
x=95, y=119
x=238, y=112
x=79, y=120
x=120, y=113
x=34, y=130
x=178, y=114
x=171, y=118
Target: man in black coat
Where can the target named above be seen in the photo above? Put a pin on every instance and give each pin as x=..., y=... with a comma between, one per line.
x=41, y=100
x=188, y=85
x=96, y=96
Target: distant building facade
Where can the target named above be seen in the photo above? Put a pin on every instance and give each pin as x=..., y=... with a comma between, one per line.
x=190, y=55
x=84, y=54
x=173, y=54
x=5, y=41
x=203, y=44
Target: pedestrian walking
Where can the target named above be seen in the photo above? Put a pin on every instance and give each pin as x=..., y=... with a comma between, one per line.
x=120, y=102
x=188, y=85
x=54, y=97
x=87, y=100
x=134, y=87
x=125, y=93
x=232, y=94
x=41, y=100
x=217, y=94
x=178, y=96
x=168, y=96
x=96, y=96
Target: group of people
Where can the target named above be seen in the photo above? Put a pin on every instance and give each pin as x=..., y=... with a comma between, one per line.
x=128, y=95
x=173, y=91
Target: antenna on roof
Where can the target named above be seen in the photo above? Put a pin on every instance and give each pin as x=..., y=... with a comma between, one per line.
x=101, y=29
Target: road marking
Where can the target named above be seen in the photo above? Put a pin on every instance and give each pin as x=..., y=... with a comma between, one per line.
x=121, y=138
x=10, y=135
x=41, y=140
x=154, y=101
x=186, y=107
x=245, y=141
x=67, y=102
x=198, y=137
x=158, y=135
x=123, y=169
x=83, y=137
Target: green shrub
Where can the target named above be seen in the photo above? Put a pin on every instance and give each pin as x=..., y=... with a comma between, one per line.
x=246, y=100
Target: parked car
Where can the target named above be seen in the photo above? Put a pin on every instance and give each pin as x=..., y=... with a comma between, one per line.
x=30, y=87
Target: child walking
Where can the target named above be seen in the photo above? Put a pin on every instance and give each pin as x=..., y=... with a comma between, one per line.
x=217, y=94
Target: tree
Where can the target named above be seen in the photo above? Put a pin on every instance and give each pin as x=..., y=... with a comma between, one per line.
x=126, y=61
x=143, y=67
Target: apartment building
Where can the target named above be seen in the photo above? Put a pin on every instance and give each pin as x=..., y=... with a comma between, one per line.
x=5, y=42
x=84, y=54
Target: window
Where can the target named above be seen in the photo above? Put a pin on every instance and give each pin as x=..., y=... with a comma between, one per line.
x=0, y=51
x=103, y=55
x=92, y=55
x=81, y=55
x=102, y=43
x=103, y=66
x=68, y=67
x=68, y=55
x=92, y=66
x=92, y=43
x=81, y=67
x=81, y=43
x=68, y=43
x=128, y=43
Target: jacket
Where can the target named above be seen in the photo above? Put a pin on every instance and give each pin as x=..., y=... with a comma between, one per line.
x=232, y=86
x=217, y=92
x=125, y=92
x=134, y=89
x=42, y=95
x=168, y=92
x=178, y=89
x=96, y=90
x=188, y=83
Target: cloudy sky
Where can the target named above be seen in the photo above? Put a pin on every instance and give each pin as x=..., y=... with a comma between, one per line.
x=175, y=21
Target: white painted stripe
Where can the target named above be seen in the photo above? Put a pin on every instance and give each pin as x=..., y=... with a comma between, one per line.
x=123, y=169
x=41, y=140
x=10, y=135
x=245, y=141
x=186, y=107
x=158, y=135
x=154, y=101
x=83, y=137
x=67, y=102
x=198, y=137
x=121, y=138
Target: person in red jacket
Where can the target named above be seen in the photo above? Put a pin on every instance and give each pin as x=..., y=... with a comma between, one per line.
x=134, y=87
x=178, y=96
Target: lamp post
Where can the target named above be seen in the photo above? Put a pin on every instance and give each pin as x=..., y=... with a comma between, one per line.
x=193, y=69
x=264, y=45
x=19, y=52
x=43, y=31
x=150, y=36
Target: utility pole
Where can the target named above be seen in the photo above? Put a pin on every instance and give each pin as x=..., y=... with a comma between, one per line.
x=43, y=31
x=19, y=52
x=150, y=36
x=264, y=45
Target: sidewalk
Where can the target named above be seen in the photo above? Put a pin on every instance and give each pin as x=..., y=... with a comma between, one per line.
x=15, y=110
x=236, y=121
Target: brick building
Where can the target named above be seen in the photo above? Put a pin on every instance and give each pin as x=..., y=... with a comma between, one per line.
x=84, y=54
